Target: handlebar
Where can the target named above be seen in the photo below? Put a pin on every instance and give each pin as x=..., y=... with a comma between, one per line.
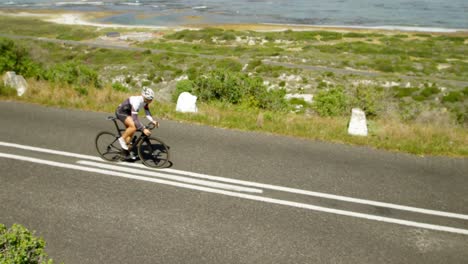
x=151, y=126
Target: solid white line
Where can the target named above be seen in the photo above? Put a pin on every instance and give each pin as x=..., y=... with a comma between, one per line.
x=254, y=184
x=170, y=177
x=50, y=151
x=244, y=196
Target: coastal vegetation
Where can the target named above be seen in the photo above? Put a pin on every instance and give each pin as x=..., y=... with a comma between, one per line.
x=413, y=87
x=20, y=246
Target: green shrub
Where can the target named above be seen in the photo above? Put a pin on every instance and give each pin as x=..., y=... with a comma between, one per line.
x=16, y=58
x=76, y=34
x=7, y=90
x=329, y=35
x=331, y=103
x=369, y=99
x=354, y=35
x=228, y=35
x=400, y=92
x=429, y=90
x=453, y=97
x=19, y=246
x=419, y=97
x=385, y=65
x=408, y=111
x=461, y=115
x=82, y=91
x=119, y=87
x=237, y=88
x=272, y=100
x=73, y=73
x=182, y=86
x=205, y=34
x=229, y=64
x=146, y=83
x=254, y=64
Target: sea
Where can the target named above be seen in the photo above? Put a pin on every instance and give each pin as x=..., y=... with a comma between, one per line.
x=419, y=15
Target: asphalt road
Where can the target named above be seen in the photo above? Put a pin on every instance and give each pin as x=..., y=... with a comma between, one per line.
x=229, y=197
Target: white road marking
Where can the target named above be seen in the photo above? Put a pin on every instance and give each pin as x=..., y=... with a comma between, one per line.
x=242, y=195
x=170, y=177
x=254, y=184
x=50, y=151
x=315, y=194
x=115, y=173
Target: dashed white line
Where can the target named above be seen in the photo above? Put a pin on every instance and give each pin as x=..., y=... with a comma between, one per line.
x=170, y=177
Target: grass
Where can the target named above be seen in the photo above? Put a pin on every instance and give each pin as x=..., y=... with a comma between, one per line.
x=384, y=134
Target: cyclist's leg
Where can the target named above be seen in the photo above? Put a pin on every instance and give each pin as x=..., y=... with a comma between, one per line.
x=122, y=117
x=131, y=129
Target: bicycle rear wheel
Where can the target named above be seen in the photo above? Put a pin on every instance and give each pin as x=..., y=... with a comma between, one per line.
x=153, y=152
x=108, y=147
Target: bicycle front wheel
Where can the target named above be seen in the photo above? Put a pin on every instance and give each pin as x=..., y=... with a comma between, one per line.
x=108, y=147
x=153, y=152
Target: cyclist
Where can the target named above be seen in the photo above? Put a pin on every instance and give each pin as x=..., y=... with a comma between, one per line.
x=127, y=112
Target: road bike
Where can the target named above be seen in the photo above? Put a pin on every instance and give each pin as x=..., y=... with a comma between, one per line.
x=152, y=151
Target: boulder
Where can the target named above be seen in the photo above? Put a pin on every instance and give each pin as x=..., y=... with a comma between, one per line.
x=16, y=82
x=358, y=123
x=186, y=103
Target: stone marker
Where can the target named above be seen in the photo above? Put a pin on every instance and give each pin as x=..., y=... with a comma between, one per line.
x=186, y=103
x=358, y=123
x=16, y=82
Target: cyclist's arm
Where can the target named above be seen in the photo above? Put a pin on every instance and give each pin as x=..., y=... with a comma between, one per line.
x=148, y=114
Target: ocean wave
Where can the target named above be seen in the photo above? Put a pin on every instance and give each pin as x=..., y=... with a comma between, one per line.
x=136, y=3
x=199, y=7
x=79, y=3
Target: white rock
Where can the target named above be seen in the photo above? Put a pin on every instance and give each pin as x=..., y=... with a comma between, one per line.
x=15, y=81
x=186, y=103
x=21, y=85
x=9, y=79
x=363, y=82
x=358, y=123
x=292, y=77
x=390, y=84
x=183, y=77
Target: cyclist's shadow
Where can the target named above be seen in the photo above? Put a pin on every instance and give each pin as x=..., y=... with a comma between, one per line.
x=168, y=164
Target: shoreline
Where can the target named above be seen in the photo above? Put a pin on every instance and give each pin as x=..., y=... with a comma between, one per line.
x=83, y=19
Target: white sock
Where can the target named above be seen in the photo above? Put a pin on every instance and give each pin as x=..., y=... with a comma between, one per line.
x=123, y=144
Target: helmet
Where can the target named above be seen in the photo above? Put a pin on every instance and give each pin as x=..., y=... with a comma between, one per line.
x=147, y=93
